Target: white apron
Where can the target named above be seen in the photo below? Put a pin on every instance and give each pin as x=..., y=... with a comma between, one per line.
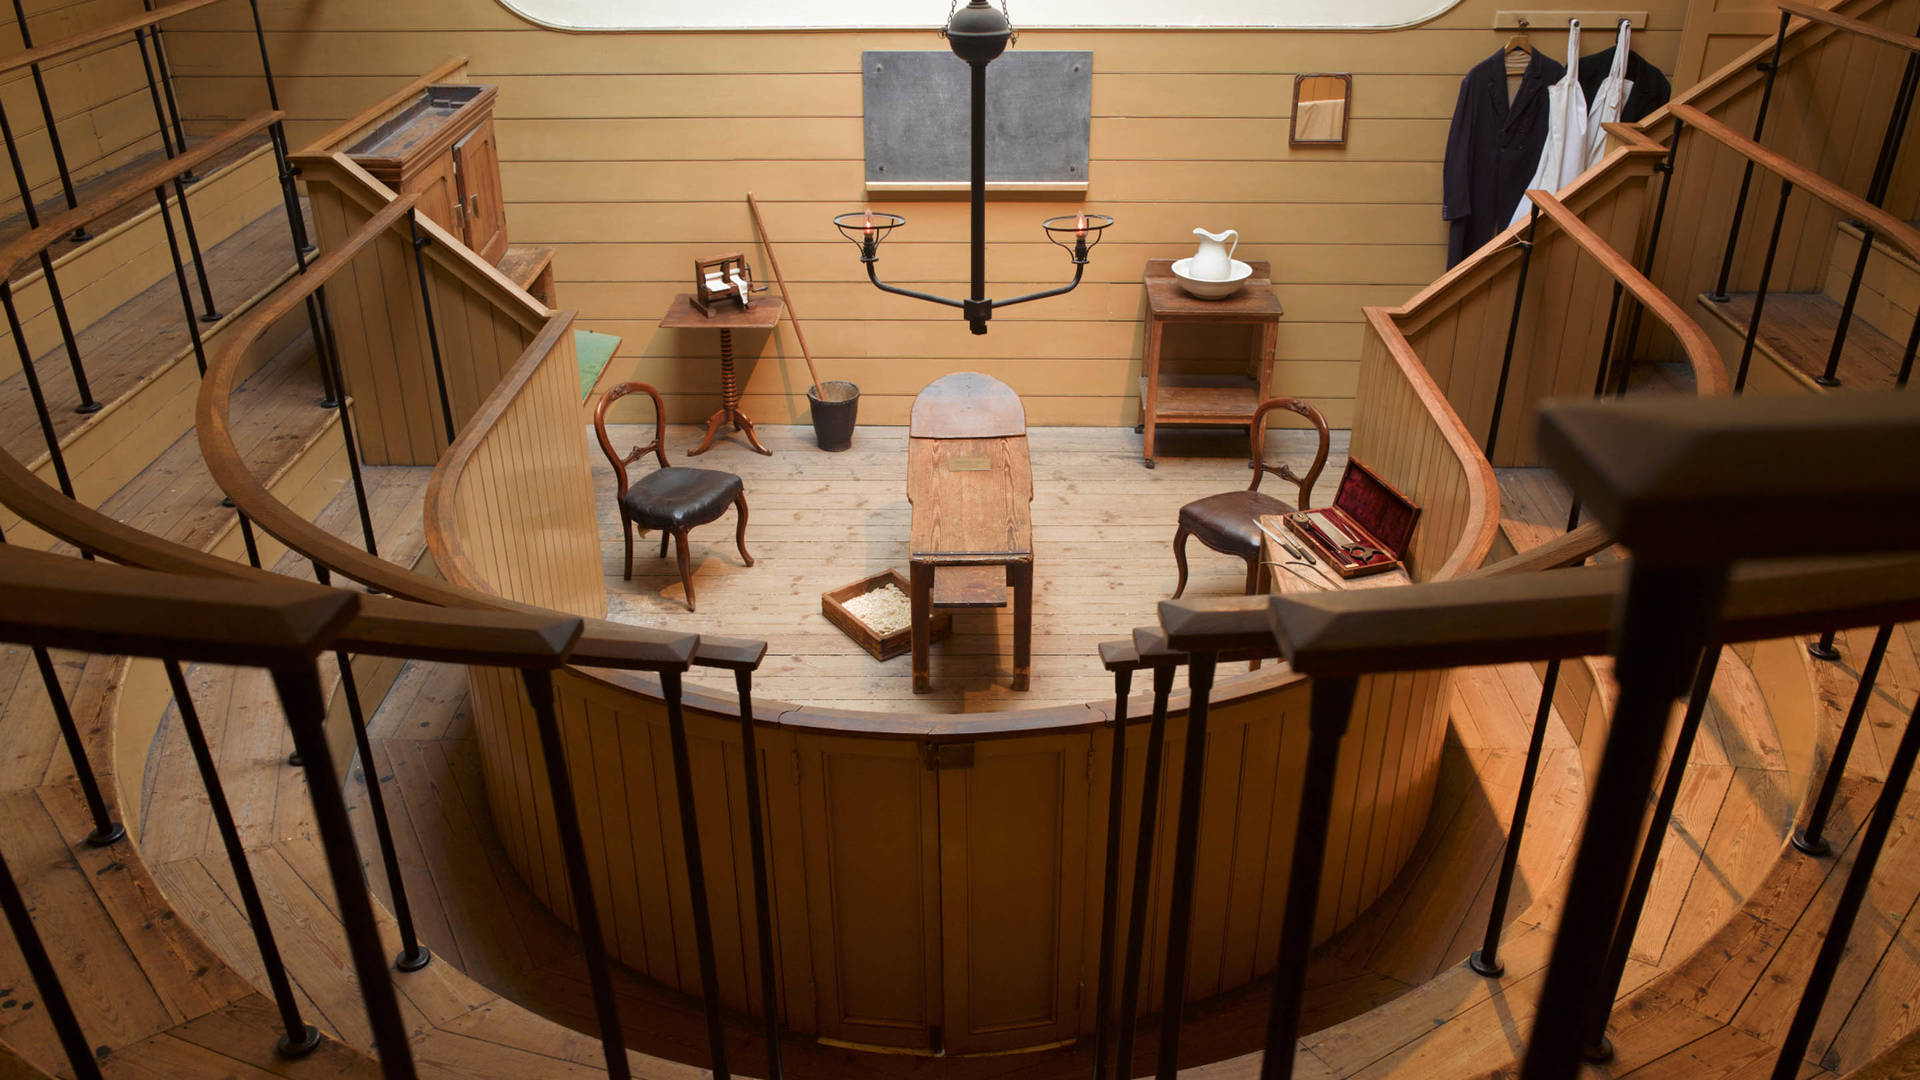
x=1610, y=97
x=1565, y=154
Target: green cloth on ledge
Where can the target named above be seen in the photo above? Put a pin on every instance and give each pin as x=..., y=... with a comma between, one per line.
x=593, y=349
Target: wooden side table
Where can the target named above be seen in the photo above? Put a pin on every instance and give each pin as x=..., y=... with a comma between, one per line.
x=761, y=314
x=1204, y=400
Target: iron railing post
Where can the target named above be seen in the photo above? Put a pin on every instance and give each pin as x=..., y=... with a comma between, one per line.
x=87, y=404
x=1595, y=1046
x=298, y=1037
x=696, y=874
x=180, y=279
x=1772, y=68
x=34, y=390
x=1186, y=844
x=573, y=851
x=762, y=892
x=247, y=537
x=1110, y=872
x=1665, y=169
x=1328, y=710
x=79, y=234
x=46, y=980
x=1513, y=331
x=1760, y=297
x=413, y=955
x=1145, y=835
x=166, y=85
x=1810, y=836
x=420, y=244
x=277, y=134
x=106, y=831
x=330, y=358
x=1823, y=648
x=1486, y=959
x=179, y=185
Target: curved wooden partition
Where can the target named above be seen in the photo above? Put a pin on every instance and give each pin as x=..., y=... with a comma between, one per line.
x=935, y=881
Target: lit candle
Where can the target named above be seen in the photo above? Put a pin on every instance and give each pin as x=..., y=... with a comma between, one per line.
x=1080, y=224
x=869, y=226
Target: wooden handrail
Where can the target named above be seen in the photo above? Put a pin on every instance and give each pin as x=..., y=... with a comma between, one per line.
x=40, y=54
x=1483, y=490
x=1567, y=549
x=1709, y=374
x=340, y=132
x=22, y=249
x=1850, y=24
x=1903, y=235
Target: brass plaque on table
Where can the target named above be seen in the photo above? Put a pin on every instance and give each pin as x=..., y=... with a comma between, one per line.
x=968, y=464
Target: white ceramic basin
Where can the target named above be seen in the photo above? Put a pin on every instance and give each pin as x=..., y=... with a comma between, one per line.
x=1209, y=289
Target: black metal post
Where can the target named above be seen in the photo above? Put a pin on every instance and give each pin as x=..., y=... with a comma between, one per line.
x=180, y=279
x=1595, y=1046
x=34, y=391
x=277, y=134
x=762, y=894
x=106, y=831
x=696, y=874
x=305, y=705
x=1876, y=194
x=1810, y=837
x=413, y=955
x=46, y=980
x=1772, y=68
x=1328, y=710
x=1110, y=875
x=330, y=395
x=87, y=404
x=1794, y=1049
x=420, y=244
x=1823, y=649
x=330, y=357
x=1906, y=357
x=978, y=308
x=1486, y=959
x=1142, y=871
x=1760, y=297
x=80, y=234
x=1665, y=169
x=586, y=912
x=1513, y=331
x=1660, y=627
x=247, y=537
x=1186, y=844
x=298, y=1038
x=179, y=184
x=166, y=85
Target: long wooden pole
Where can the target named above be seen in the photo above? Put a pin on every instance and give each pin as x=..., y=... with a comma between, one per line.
x=785, y=295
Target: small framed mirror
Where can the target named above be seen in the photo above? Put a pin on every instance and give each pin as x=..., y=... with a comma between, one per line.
x=1320, y=107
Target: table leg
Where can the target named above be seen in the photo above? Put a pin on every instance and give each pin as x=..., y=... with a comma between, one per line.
x=1020, y=578
x=713, y=429
x=1156, y=332
x=729, y=403
x=921, y=585
x=745, y=427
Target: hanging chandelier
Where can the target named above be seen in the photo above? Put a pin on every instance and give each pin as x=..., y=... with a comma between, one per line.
x=978, y=35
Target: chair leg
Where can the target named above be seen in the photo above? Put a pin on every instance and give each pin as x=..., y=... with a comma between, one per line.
x=686, y=573
x=1253, y=574
x=663, y=543
x=626, y=533
x=1180, y=559
x=740, y=530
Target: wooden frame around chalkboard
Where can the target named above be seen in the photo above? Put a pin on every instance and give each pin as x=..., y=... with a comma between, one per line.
x=1346, y=108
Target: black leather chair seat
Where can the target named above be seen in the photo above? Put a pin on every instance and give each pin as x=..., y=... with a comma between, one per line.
x=1229, y=522
x=678, y=498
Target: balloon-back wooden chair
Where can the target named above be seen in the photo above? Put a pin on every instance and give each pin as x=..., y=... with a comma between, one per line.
x=673, y=500
x=1229, y=523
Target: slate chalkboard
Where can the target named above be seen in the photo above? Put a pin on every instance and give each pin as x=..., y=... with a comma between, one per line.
x=918, y=106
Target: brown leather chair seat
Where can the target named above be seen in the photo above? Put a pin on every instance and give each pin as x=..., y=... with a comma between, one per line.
x=1229, y=522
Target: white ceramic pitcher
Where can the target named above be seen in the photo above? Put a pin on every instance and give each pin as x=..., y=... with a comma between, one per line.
x=1214, y=260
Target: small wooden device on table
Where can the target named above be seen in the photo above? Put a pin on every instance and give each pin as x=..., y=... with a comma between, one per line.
x=971, y=485
x=1204, y=400
x=760, y=314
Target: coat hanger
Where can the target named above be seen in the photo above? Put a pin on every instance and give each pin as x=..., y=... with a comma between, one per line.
x=1518, y=51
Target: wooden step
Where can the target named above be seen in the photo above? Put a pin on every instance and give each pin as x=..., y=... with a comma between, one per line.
x=1796, y=333
x=1889, y=297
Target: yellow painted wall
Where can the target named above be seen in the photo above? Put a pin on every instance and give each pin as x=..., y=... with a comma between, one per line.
x=633, y=152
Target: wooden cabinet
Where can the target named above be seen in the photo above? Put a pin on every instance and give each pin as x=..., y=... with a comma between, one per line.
x=441, y=147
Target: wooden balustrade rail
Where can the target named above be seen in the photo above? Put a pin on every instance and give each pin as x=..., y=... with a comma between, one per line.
x=1884, y=224
x=1710, y=375
x=22, y=249
x=1850, y=24
x=40, y=54
x=356, y=123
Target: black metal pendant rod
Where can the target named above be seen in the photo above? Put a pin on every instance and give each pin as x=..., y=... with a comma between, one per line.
x=573, y=852
x=1772, y=68
x=1145, y=835
x=79, y=234
x=1760, y=297
x=1595, y=1046
x=1793, y=1050
x=1810, y=837
x=1513, y=331
x=1328, y=710
x=413, y=955
x=298, y=1038
x=762, y=893
x=1486, y=960
x=87, y=404
x=1186, y=844
x=1110, y=875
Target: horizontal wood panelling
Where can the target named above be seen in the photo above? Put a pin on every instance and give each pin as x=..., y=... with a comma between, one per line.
x=633, y=152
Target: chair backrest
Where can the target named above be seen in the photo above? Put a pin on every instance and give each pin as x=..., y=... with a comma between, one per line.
x=1284, y=472
x=659, y=443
